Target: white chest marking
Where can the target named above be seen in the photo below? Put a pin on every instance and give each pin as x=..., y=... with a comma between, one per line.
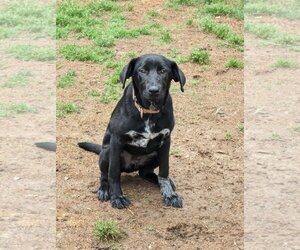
x=142, y=139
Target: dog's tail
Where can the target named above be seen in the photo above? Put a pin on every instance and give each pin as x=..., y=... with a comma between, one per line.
x=92, y=147
x=50, y=146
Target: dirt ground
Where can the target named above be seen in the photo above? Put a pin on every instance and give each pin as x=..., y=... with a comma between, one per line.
x=207, y=168
x=27, y=173
x=271, y=144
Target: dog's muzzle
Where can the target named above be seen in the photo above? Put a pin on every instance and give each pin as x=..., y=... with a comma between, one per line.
x=152, y=109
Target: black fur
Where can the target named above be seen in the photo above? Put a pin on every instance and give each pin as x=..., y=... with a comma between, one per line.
x=49, y=146
x=92, y=147
x=122, y=149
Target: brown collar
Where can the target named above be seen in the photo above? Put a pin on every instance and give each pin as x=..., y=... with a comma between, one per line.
x=140, y=108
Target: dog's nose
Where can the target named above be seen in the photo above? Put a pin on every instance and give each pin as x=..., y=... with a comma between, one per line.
x=153, y=90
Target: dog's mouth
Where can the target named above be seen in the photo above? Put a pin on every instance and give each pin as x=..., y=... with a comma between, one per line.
x=154, y=106
x=153, y=103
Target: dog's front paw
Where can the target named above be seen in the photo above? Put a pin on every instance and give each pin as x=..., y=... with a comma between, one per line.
x=119, y=202
x=167, y=189
x=172, y=184
x=103, y=194
x=174, y=200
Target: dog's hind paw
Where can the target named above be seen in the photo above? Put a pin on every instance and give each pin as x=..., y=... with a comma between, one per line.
x=175, y=200
x=120, y=202
x=103, y=194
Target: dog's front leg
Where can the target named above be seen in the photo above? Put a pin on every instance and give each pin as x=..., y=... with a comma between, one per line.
x=118, y=200
x=167, y=187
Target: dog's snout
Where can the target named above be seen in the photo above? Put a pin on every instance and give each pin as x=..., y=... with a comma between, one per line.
x=153, y=90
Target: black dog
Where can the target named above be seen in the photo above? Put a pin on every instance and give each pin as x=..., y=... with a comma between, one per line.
x=138, y=134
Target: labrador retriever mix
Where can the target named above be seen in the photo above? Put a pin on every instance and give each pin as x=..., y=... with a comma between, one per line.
x=138, y=135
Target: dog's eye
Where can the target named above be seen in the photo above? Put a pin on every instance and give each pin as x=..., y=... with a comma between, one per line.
x=143, y=71
x=162, y=71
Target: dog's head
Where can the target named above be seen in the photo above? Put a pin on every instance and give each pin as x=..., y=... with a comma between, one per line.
x=151, y=76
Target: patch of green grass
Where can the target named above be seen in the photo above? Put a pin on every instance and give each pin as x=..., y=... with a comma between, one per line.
x=264, y=31
x=94, y=93
x=131, y=54
x=283, y=38
x=107, y=230
x=165, y=37
x=130, y=6
x=285, y=63
x=105, y=40
x=32, y=53
x=221, y=9
x=175, y=152
x=111, y=64
x=62, y=109
x=101, y=21
x=295, y=49
x=275, y=136
x=3, y=111
x=189, y=22
x=176, y=55
x=73, y=17
x=194, y=83
x=115, y=76
x=152, y=14
x=112, y=91
x=200, y=56
x=67, y=79
x=222, y=31
x=29, y=17
x=176, y=4
x=229, y=2
x=90, y=53
x=14, y=109
x=174, y=89
x=241, y=127
x=289, y=11
x=7, y=33
x=118, y=30
x=228, y=136
x=98, y=6
x=296, y=129
x=19, y=79
x=269, y=32
x=234, y=63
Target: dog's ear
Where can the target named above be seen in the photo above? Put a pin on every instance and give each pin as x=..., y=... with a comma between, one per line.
x=127, y=72
x=178, y=75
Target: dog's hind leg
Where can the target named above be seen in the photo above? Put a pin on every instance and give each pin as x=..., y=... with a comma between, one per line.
x=103, y=191
x=147, y=171
x=149, y=175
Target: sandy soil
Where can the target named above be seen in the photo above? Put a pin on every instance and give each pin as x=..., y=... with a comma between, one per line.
x=207, y=169
x=27, y=173
x=271, y=145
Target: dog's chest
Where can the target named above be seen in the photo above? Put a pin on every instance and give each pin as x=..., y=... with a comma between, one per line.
x=148, y=138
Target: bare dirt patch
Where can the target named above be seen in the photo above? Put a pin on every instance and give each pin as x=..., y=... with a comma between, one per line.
x=271, y=145
x=27, y=173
